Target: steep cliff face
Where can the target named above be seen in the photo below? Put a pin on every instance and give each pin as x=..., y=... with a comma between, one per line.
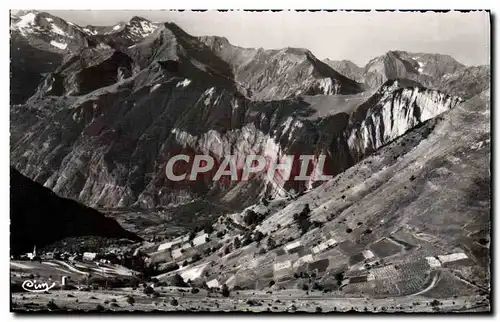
x=280, y=74
x=110, y=147
x=396, y=110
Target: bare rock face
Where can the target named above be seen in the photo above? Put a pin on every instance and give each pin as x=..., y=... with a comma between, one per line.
x=85, y=72
x=38, y=45
x=101, y=128
x=347, y=68
x=280, y=74
x=467, y=82
x=48, y=32
x=48, y=218
x=124, y=34
x=110, y=147
x=26, y=73
x=427, y=69
x=396, y=110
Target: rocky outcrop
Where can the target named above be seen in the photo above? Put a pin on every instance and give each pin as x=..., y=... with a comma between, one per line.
x=110, y=147
x=88, y=71
x=347, y=68
x=47, y=32
x=427, y=69
x=26, y=73
x=39, y=217
x=467, y=82
x=125, y=34
x=391, y=112
x=101, y=128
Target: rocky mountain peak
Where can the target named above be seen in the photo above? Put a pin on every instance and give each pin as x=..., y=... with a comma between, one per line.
x=425, y=68
x=347, y=68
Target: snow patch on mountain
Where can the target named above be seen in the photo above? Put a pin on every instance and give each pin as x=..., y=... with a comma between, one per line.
x=26, y=23
x=183, y=83
x=90, y=32
x=141, y=29
x=58, y=44
x=420, y=67
x=148, y=28
x=57, y=30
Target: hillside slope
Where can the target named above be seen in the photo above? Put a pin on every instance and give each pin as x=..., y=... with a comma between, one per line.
x=39, y=217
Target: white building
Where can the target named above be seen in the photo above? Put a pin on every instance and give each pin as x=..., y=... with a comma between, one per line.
x=292, y=245
x=452, y=257
x=88, y=256
x=324, y=245
x=433, y=262
x=367, y=254
x=32, y=255
x=176, y=253
x=213, y=284
x=200, y=240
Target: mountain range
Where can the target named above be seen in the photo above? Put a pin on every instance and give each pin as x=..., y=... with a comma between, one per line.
x=96, y=111
x=403, y=224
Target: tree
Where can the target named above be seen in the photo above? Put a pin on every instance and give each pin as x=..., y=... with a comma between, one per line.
x=250, y=218
x=196, y=257
x=237, y=243
x=208, y=229
x=271, y=244
x=52, y=305
x=247, y=240
x=258, y=235
x=339, y=277
x=149, y=290
x=225, y=290
x=179, y=281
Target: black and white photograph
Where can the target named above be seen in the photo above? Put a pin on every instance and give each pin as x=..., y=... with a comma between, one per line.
x=246, y=161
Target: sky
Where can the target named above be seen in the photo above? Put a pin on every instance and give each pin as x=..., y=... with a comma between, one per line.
x=356, y=36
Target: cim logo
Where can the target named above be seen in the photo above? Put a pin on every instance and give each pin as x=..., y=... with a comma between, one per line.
x=34, y=286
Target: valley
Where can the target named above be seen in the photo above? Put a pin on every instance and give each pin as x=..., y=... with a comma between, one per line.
x=403, y=225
